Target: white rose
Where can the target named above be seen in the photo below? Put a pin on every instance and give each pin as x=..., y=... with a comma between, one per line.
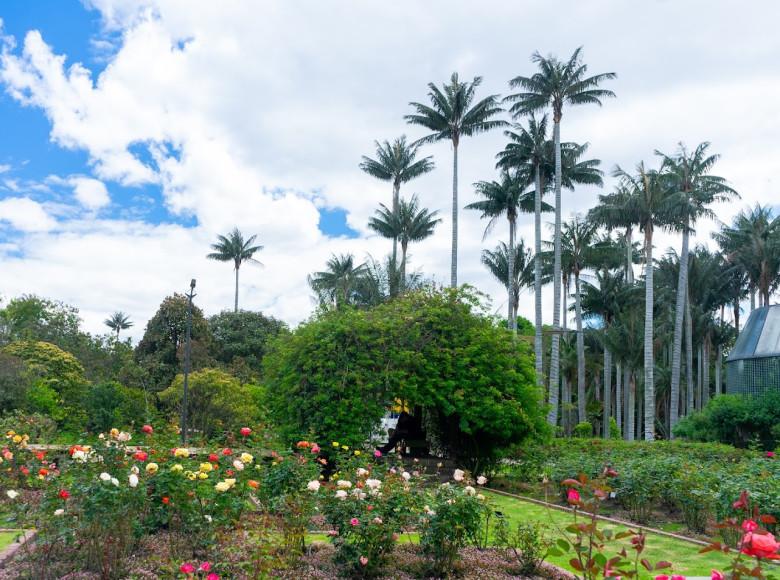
x=59, y=512
x=406, y=475
x=373, y=483
x=341, y=494
x=105, y=477
x=313, y=485
x=115, y=481
x=238, y=464
x=458, y=475
x=481, y=480
x=470, y=490
x=343, y=484
x=134, y=469
x=362, y=472
x=124, y=436
x=133, y=480
x=208, y=518
x=13, y=494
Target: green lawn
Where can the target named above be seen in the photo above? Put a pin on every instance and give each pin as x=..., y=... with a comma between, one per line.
x=685, y=556
x=6, y=539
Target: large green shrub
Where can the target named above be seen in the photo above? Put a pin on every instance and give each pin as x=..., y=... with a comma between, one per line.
x=338, y=373
x=736, y=420
x=216, y=402
x=111, y=404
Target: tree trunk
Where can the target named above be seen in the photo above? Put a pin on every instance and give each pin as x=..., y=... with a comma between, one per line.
x=581, y=398
x=235, y=307
x=619, y=396
x=679, y=315
x=555, y=351
x=607, y=390
x=511, y=286
x=718, y=370
x=688, y=353
x=631, y=406
x=629, y=256
x=699, y=389
x=454, y=264
x=402, y=281
x=752, y=299
x=566, y=407
x=648, y=358
x=736, y=315
x=538, y=348
x=393, y=281
x=706, y=373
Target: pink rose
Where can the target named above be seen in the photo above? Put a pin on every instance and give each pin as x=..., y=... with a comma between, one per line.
x=315, y=448
x=212, y=576
x=354, y=522
x=377, y=453
x=662, y=577
x=205, y=567
x=363, y=561
x=760, y=546
x=573, y=496
x=187, y=568
x=770, y=454
x=717, y=575
x=749, y=526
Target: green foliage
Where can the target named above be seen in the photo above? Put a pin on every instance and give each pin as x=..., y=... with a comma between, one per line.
x=527, y=542
x=240, y=339
x=583, y=429
x=31, y=317
x=736, y=420
x=14, y=382
x=160, y=352
x=337, y=374
x=216, y=402
x=614, y=430
x=111, y=404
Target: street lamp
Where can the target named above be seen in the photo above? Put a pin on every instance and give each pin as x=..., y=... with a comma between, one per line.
x=187, y=355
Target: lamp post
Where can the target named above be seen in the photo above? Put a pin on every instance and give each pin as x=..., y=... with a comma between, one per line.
x=187, y=354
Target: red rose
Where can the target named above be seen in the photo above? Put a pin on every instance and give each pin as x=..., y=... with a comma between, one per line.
x=245, y=431
x=43, y=472
x=213, y=458
x=760, y=546
x=64, y=494
x=166, y=500
x=140, y=456
x=40, y=455
x=147, y=429
x=24, y=470
x=573, y=496
x=227, y=451
x=749, y=526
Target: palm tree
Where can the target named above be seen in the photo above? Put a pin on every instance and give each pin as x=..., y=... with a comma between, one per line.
x=497, y=262
x=555, y=84
x=117, y=322
x=234, y=248
x=694, y=190
x=452, y=116
x=396, y=162
x=499, y=199
x=645, y=206
x=577, y=237
x=410, y=223
x=337, y=284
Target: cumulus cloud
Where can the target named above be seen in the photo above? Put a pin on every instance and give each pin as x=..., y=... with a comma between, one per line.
x=257, y=115
x=25, y=215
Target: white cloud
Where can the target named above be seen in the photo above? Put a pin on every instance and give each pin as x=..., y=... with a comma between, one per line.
x=91, y=193
x=25, y=215
x=225, y=105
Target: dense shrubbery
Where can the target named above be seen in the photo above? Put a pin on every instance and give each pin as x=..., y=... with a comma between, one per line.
x=339, y=373
x=737, y=420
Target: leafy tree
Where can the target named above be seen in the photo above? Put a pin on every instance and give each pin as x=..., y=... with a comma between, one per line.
x=234, y=248
x=31, y=317
x=217, y=402
x=397, y=163
x=408, y=222
x=241, y=339
x=451, y=115
x=117, y=322
x=337, y=374
x=111, y=404
x=161, y=349
x=14, y=382
x=557, y=83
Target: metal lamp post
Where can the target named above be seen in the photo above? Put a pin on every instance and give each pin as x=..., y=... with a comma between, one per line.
x=187, y=355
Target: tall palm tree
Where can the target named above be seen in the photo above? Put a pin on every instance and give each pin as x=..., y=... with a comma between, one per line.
x=451, y=115
x=502, y=198
x=646, y=207
x=497, y=261
x=396, y=162
x=577, y=237
x=234, y=248
x=557, y=83
x=531, y=147
x=410, y=223
x=117, y=322
x=337, y=284
x=694, y=190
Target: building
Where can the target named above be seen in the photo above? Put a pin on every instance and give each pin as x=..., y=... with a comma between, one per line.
x=753, y=365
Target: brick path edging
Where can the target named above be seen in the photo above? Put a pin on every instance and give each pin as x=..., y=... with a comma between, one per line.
x=10, y=551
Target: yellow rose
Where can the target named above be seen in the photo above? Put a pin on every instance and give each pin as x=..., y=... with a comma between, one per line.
x=177, y=468
x=247, y=458
x=181, y=452
x=17, y=438
x=357, y=452
x=335, y=444
x=152, y=468
x=231, y=482
x=206, y=467
x=222, y=486
x=202, y=475
x=191, y=475
x=345, y=447
x=114, y=432
x=10, y=434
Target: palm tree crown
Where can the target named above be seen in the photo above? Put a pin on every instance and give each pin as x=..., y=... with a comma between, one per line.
x=118, y=321
x=337, y=284
x=234, y=248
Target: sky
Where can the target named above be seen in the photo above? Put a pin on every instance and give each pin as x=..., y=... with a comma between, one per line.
x=136, y=131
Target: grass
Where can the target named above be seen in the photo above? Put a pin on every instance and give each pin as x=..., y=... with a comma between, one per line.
x=685, y=556
x=6, y=539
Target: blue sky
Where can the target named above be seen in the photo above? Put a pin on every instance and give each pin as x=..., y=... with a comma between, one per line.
x=136, y=131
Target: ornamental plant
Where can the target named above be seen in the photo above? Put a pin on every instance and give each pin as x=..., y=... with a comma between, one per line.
x=585, y=540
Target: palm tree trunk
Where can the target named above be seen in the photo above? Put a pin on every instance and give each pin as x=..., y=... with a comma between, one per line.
x=566, y=407
x=394, y=264
x=235, y=308
x=619, y=396
x=735, y=307
x=581, y=398
x=706, y=373
x=454, y=264
x=629, y=256
x=565, y=306
x=403, y=267
x=699, y=389
x=607, y=390
x=752, y=299
x=511, y=286
x=679, y=315
x=538, y=348
x=688, y=354
x=555, y=351
x=648, y=359
x=631, y=406
x=718, y=370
